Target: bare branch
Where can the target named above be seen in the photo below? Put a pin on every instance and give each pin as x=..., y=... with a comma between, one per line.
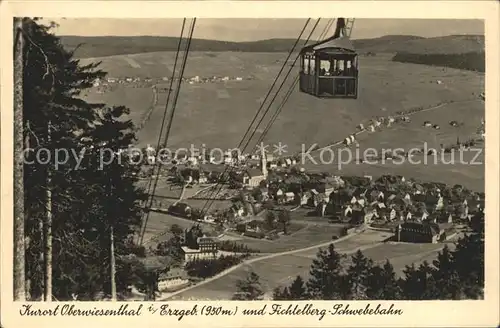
x=32, y=133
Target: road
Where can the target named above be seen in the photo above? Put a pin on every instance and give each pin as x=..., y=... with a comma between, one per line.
x=250, y=261
x=147, y=115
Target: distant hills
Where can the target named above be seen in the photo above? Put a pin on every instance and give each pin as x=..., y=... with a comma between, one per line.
x=102, y=46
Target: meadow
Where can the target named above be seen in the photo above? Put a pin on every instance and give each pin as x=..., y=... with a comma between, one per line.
x=281, y=270
x=205, y=115
x=304, y=237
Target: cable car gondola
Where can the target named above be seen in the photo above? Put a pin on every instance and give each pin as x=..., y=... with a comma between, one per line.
x=329, y=69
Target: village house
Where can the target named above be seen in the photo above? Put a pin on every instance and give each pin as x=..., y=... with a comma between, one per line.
x=251, y=228
x=238, y=210
x=347, y=212
x=202, y=178
x=172, y=280
x=463, y=210
x=289, y=197
x=370, y=215
x=278, y=193
x=305, y=197
x=375, y=195
x=180, y=209
x=392, y=215
x=406, y=216
x=422, y=215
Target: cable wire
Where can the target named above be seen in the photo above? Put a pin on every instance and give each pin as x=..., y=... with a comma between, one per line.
x=214, y=192
x=176, y=96
x=211, y=199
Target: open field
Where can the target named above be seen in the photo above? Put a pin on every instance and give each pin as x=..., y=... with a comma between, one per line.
x=138, y=100
x=160, y=223
x=307, y=236
x=445, y=168
x=280, y=271
x=402, y=254
x=206, y=116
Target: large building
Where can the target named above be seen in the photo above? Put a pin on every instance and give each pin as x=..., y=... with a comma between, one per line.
x=208, y=248
x=418, y=232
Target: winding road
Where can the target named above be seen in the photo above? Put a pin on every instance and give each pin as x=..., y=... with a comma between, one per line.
x=250, y=261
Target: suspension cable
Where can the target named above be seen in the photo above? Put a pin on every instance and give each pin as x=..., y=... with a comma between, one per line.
x=168, y=100
x=150, y=180
x=290, y=90
x=176, y=96
x=281, y=86
x=215, y=192
x=211, y=200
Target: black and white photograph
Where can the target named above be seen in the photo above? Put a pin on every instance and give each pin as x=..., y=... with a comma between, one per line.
x=248, y=159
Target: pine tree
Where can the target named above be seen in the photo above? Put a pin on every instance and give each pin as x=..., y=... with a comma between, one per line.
x=281, y=294
x=357, y=274
x=88, y=199
x=382, y=283
x=419, y=284
x=326, y=281
x=446, y=276
x=469, y=264
x=297, y=289
x=411, y=283
x=249, y=289
x=284, y=219
x=428, y=285
x=192, y=236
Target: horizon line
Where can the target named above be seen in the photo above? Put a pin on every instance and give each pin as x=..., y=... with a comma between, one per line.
x=283, y=38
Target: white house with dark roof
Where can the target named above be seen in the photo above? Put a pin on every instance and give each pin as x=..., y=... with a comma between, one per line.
x=173, y=279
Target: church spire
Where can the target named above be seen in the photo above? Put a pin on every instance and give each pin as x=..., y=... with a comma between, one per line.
x=263, y=162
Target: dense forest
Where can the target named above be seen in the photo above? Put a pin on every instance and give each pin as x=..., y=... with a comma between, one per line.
x=70, y=218
x=472, y=61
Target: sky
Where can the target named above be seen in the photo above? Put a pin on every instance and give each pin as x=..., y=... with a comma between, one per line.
x=252, y=29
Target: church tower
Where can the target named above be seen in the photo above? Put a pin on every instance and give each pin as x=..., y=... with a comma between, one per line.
x=263, y=162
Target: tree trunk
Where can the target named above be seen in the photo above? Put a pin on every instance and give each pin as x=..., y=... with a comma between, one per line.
x=113, y=265
x=19, y=246
x=48, y=230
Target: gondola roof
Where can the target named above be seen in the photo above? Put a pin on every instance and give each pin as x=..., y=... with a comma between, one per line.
x=331, y=45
